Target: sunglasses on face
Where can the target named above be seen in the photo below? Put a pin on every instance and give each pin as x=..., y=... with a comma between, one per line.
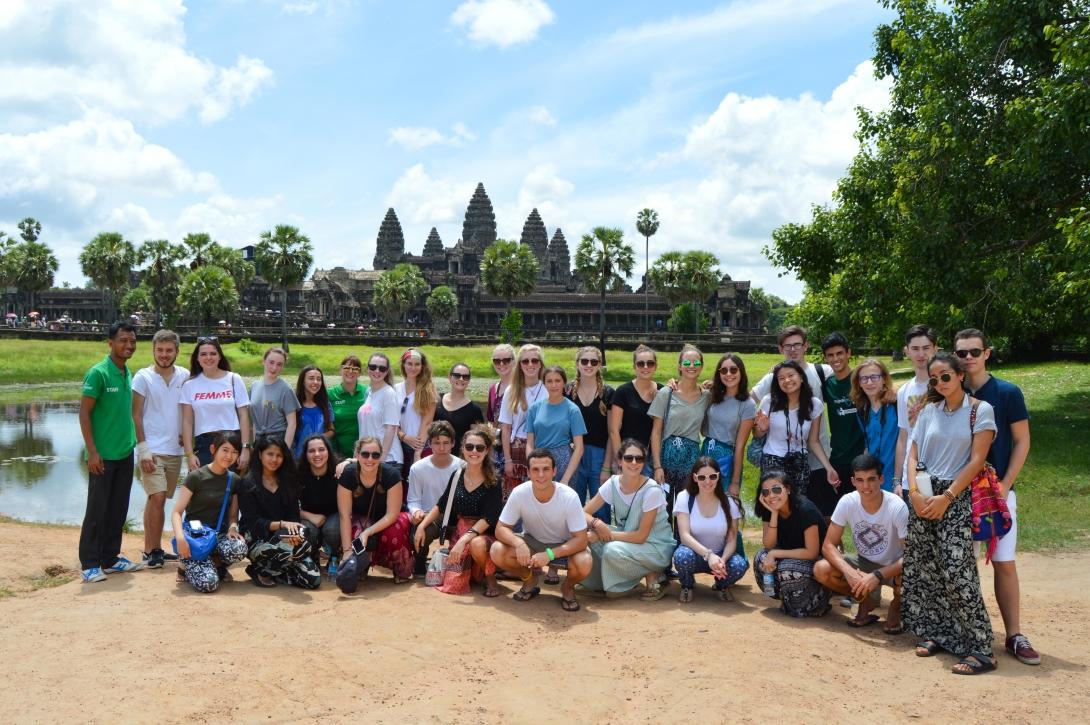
x=460, y=376
x=975, y=352
x=691, y=363
x=777, y=490
x=870, y=378
x=377, y=368
x=645, y=364
x=350, y=368
x=726, y=370
x=373, y=455
x=474, y=447
x=592, y=362
x=530, y=361
x=706, y=477
x=502, y=360
x=945, y=377
x=633, y=458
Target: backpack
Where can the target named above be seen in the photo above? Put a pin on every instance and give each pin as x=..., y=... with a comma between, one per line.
x=991, y=517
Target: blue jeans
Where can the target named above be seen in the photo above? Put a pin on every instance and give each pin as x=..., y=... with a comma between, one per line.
x=587, y=477
x=688, y=565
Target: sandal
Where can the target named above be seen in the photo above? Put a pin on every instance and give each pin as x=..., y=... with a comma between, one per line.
x=859, y=623
x=654, y=593
x=525, y=595
x=552, y=579
x=725, y=595
x=569, y=605
x=180, y=578
x=686, y=595
x=896, y=629
x=927, y=648
x=259, y=580
x=490, y=593
x=973, y=665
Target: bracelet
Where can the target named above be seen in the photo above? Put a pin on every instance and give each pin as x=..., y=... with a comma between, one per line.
x=773, y=527
x=233, y=526
x=474, y=532
x=549, y=553
x=949, y=494
x=606, y=469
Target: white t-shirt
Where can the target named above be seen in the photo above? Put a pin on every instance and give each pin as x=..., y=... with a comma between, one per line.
x=427, y=482
x=910, y=401
x=215, y=403
x=786, y=434
x=518, y=420
x=552, y=522
x=880, y=536
x=410, y=420
x=382, y=408
x=162, y=416
x=654, y=499
x=764, y=387
x=710, y=532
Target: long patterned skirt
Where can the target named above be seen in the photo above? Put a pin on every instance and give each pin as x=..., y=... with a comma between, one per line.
x=521, y=471
x=459, y=574
x=678, y=456
x=796, y=466
x=393, y=551
x=800, y=594
x=287, y=564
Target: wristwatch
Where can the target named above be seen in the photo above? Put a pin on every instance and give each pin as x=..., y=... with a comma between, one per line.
x=878, y=573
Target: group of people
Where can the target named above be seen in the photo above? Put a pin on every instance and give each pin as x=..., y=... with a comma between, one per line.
x=620, y=487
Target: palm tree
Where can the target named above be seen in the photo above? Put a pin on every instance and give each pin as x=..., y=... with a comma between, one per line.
x=509, y=271
x=32, y=266
x=162, y=272
x=206, y=292
x=283, y=257
x=107, y=261
x=686, y=277
x=197, y=245
x=231, y=261
x=397, y=290
x=30, y=229
x=442, y=305
x=647, y=223
x=603, y=261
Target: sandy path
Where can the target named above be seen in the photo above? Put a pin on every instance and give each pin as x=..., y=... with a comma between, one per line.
x=141, y=648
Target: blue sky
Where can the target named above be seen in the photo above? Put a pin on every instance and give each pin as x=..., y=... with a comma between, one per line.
x=161, y=118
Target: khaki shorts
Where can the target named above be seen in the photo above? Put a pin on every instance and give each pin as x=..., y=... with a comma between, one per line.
x=165, y=477
x=536, y=547
x=867, y=566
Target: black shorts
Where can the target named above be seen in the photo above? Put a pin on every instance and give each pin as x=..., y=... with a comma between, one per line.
x=824, y=496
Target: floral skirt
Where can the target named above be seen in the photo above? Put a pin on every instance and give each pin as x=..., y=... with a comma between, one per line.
x=459, y=574
x=800, y=594
x=679, y=454
x=796, y=466
x=392, y=551
x=520, y=469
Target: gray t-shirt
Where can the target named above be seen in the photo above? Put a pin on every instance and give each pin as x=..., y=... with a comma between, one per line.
x=725, y=416
x=943, y=440
x=270, y=406
x=684, y=419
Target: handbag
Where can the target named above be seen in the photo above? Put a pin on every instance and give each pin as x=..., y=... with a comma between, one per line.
x=755, y=450
x=438, y=563
x=202, y=541
x=991, y=516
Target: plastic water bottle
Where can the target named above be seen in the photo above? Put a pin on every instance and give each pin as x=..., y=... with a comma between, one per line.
x=923, y=480
x=768, y=583
x=332, y=570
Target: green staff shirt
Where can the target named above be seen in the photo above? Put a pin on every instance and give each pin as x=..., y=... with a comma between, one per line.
x=346, y=426
x=845, y=432
x=111, y=420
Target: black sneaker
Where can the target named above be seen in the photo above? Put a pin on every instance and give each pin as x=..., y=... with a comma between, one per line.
x=154, y=559
x=170, y=556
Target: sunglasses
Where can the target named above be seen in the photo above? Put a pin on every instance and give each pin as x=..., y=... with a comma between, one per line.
x=474, y=447
x=502, y=360
x=646, y=364
x=975, y=352
x=350, y=368
x=945, y=377
x=210, y=338
x=592, y=362
x=870, y=378
x=460, y=376
x=777, y=490
x=691, y=363
x=795, y=346
x=530, y=361
x=373, y=455
x=377, y=368
x=726, y=370
x=633, y=458
x=404, y=404
x=707, y=477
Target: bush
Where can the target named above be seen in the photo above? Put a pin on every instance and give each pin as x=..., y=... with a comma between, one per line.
x=511, y=327
x=248, y=347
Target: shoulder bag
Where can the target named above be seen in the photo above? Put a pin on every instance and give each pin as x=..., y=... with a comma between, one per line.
x=202, y=541
x=438, y=563
x=991, y=516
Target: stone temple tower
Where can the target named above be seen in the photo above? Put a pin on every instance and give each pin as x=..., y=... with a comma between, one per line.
x=559, y=265
x=390, y=244
x=479, y=227
x=536, y=238
x=433, y=247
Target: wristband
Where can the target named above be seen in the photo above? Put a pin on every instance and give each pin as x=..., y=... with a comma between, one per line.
x=549, y=553
x=897, y=480
x=143, y=452
x=949, y=494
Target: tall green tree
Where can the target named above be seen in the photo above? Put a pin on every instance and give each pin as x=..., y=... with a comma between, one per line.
x=952, y=212
x=397, y=290
x=7, y=244
x=207, y=292
x=603, y=261
x=284, y=257
x=30, y=229
x=197, y=245
x=137, y=299
x=442, y=305
x=231, y=261
x=647, y=224
x=509, y=271
x=773, y=309
x=162, y=275
x=107, y=260
x=681, y=277
x=33, y=267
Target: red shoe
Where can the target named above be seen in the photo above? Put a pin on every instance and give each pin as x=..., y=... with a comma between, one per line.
x=1018, y=645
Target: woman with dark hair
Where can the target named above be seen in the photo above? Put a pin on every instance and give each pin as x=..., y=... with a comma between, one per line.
x=942, y=603
x=708, y=520
x=628, y=414
x=789, y=418
x=345, y=399
x=593, y=398
x=876, y=409
x=638, y=541
x=315, y=413
x=418, y=401
x=456, y=408
x=373, y=527
x=794, y=530
x=208, y=491
x=280, y=547
x=729, y=420
x=214, y=399
x=478, y=501
x=318, y=494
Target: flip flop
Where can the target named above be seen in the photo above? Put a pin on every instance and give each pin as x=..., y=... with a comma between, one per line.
x=552, y=579
x=569, y=605
x=525, y=595
x=927, y=648
x=490, y=593
x=855, y=623
x=976, y=664
x=900, y=628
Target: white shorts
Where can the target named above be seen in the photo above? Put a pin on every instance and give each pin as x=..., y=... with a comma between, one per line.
x=1004, y=549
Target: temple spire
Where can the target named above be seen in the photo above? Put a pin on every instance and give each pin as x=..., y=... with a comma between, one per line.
x=479, y=227
x=537, y=239
x=559, y=259
x=390, y=244
x=433, y=247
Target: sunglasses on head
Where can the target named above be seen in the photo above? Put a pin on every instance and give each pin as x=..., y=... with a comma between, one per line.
x=460, y=376
x=593, y=362
x=633, y=458
x=475, y=447
x=377, y=368
x=945, y=377
x=975, y=352
x=502, y=360
x=777, y=490
x=209, y=338
x=691, y=363
x=707, y=476
x=646, y=363
x=373, y=455
x=729, y=370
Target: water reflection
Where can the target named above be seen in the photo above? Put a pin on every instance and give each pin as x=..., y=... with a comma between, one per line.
x=43, y=476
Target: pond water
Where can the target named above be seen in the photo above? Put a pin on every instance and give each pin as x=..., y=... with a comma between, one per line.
x=43, y=476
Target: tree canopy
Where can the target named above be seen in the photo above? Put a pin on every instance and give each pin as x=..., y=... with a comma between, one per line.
x=107, y=260
x=442, y=305
x=603, y=261
x=509, y=270
x=208, y=292
x=283, y=257
x=681, y=277
x=397, y=290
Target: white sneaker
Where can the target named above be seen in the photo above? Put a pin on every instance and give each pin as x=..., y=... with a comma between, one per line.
x=123, y=565
x=94, y=574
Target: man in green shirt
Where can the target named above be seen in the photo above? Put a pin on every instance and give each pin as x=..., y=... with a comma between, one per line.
x=105, y=420
x=845, y=434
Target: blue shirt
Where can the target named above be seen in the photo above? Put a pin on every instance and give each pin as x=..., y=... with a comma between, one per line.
x=1009, y=407
x=555, y=425
x=880, y=433
x=310, y=422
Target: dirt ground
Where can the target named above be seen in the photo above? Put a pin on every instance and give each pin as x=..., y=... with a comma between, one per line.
x=140, y=648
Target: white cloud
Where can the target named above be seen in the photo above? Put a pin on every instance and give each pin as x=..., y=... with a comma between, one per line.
x=303, y=7
x=415, y=138
x=544, y=189
x=420, y=198
x=540, y=114
x=234, y=86
x=233, y=221
x=134, y=222
x=502, y=23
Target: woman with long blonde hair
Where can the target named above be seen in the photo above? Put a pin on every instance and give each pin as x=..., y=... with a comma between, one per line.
x=418, y=400
x=525, y=390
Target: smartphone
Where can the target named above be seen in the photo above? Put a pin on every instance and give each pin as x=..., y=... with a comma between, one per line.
x=357, y=546
x=195, y=524
x=289, y=536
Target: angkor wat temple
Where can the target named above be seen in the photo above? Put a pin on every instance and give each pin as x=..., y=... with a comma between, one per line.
x=559, y=303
